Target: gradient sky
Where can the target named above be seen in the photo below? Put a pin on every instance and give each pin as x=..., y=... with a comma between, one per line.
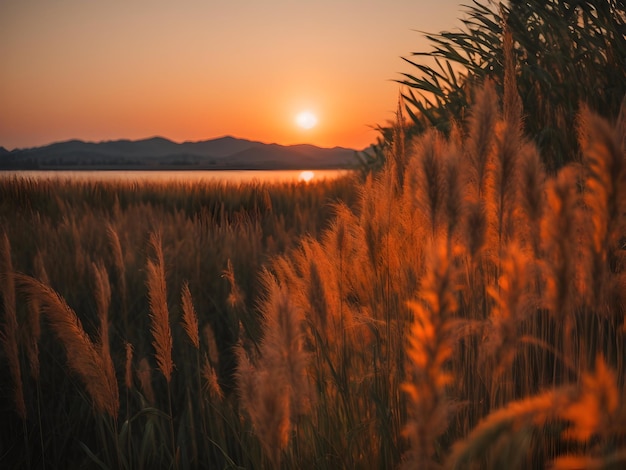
x=199, y=69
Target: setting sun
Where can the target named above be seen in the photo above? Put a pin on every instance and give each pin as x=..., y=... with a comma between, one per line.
x=306, y=120
x=306, y=176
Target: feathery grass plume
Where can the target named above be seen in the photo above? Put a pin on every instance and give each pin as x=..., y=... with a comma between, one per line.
x=211, y=382
x=144, y=374
x=426, y=182
x=501, y=182
x=118, y=261
x=605, y=193
x=340, y=250
x=593, y=410
x=84, y=357
x=271, y=417
x=504, y=178
x=481, y=138
x=190, y=317
x=282, y=346
x=398, y=152
x=476, y=228
x=376, y=202
x=532, y=197
x=275, y=391
x=235, y=296
x=594, y=414
x=246, y=378
x=159, y=314
x=103, y=300
x=10, y=332
x=316, y=296
x=128, y=370
x=430, y=346
x=514, y=301
x=455, y=189
x=517, y=416
x=615, y=460
x=560, y=244
x=590, y=407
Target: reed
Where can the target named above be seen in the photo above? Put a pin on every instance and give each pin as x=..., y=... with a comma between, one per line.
x=431, y=340
x=120, y=266
x=160, y=326
x=89, y=241
x=275, y=391
x=461, y=308
x=503, y=309
x=211, y=384
x=159, y=312
x=604, y=196
x=190, y=317
x=88, y=360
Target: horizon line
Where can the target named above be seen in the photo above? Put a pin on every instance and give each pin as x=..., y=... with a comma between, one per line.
x=154, y=137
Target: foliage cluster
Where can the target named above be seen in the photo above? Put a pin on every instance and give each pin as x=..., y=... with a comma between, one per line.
x=568, y=53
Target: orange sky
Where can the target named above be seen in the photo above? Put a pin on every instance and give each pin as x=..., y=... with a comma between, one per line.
x=199, y=69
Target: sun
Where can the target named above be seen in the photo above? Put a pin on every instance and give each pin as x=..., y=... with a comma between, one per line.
x=306, y=120
x=306, y=176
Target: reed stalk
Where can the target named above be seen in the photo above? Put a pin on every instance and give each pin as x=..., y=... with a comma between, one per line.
x=84, y=357
x=161, y=332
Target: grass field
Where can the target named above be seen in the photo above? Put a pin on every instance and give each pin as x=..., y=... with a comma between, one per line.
x=90, y=245
x=460, y=306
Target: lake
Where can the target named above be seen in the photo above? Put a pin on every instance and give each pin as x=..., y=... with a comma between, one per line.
x=188, y=176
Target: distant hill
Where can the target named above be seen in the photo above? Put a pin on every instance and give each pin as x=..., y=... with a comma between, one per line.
x=158, y=153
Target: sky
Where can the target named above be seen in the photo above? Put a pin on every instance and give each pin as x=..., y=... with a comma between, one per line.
x=199, y=69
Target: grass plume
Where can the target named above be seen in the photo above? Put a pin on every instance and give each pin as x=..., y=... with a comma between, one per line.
x=430, y=345
x=190, y=317
x=84, y=357
x=159, y=313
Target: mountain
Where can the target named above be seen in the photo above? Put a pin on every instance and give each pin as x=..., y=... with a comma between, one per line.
x=162, y=154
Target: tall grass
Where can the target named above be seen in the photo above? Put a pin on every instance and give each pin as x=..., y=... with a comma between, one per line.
x=93, y=278
x=470, y=311
x=464, y=310
x=461, y=308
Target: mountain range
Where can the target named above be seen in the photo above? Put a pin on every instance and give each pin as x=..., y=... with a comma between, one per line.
x=158, y=153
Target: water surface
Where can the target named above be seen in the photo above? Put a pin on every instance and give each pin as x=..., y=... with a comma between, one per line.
x=190, y=176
